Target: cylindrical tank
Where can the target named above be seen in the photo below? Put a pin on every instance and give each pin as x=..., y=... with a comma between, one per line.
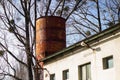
x=50, y=35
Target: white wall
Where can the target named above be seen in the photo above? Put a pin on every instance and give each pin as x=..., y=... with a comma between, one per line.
x=111, y=47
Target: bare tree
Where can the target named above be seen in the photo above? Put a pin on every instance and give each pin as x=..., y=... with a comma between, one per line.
x=93, y=17
x=21, y=71
x=21, y=32
x=18, y=24
x=18, y=19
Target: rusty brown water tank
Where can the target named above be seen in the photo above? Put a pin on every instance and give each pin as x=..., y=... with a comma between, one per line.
x=50, y=35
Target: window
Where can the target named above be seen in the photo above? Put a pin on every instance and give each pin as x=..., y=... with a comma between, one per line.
x=52, y=77
x=108, y=62
x=65, y=74
x=85, y=72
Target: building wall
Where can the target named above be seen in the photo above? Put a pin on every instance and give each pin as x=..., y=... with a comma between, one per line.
x=108, y=46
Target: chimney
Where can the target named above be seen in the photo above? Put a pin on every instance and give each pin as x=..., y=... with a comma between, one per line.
x=50, y=36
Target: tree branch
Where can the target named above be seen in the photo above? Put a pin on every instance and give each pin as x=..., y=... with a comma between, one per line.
x=13, y=55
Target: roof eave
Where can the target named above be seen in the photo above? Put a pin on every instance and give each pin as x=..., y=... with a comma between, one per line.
x=107, y=32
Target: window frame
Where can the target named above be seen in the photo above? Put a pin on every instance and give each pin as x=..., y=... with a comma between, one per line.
x=105, y=61
x=65, y=75
x=80, y=70
x=51, y=76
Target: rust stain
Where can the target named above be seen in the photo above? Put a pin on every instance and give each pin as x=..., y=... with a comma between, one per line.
x=50, y=36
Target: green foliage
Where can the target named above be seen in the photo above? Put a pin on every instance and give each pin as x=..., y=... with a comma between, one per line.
x=110, y=24
x=58, y=12
x=11, y=29
x=1, y=53
x=12, y=26
x=12, y=21
x=88, y=33
x=66, y=8
x=76, y=0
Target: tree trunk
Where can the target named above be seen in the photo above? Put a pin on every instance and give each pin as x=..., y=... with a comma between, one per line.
x=99, y=20
x=29, y=57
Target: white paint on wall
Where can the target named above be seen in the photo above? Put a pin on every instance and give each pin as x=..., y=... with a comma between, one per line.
x=72, y=62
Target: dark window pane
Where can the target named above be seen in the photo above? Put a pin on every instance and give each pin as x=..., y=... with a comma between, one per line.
x=65, y=74
x=108, y=62
x=52, y=77
x=85, y=72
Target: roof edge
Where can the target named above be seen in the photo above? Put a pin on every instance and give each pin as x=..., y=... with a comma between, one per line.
x=105, y=32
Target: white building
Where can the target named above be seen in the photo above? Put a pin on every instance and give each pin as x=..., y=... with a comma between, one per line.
x=79, y=62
